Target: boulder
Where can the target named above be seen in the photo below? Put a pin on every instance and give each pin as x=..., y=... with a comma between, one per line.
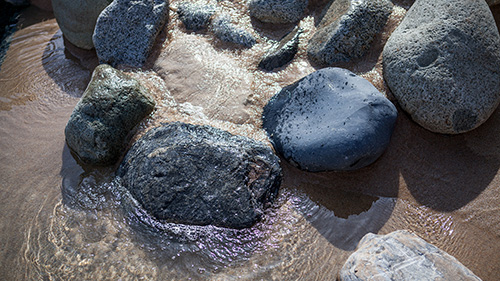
x=282, y=52
x=228, y=32
x=77, y=19
x=330, y=120
x=126, y=31
x=110, y=107
x=195, y=16
x=401, y=255
x=200, y=175
x=442, y=63
x=278, y=11
x=347, y=30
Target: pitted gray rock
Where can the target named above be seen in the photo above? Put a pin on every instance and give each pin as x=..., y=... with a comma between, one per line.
x=195, y=16
x=278, y=11
x=282, y=52
x=226, y=31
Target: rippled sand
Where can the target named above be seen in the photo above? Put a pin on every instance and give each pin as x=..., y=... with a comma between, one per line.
x=61, y=221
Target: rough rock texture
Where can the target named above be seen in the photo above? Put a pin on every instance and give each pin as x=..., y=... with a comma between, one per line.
x=278, y=11
x=195, y=16
x=126, y=30
x=282, y=52
x=201, y=175
x=330, y=120
x=77, y=19
x=347, y=30
x=228, y=32
x=110, y=107
x=442, y=63
x=401, y=255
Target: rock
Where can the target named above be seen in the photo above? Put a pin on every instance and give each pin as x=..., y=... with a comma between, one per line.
x=126, y=31
x=77, y=19
x=110, y=107
x=195, y=16
x=401, y=255
x=201, y=175
x=330, y=120
x=442, y=63
x=278, y=11
x=347, y=30
x=493, y=2
x=282, y=52
x=226, y=31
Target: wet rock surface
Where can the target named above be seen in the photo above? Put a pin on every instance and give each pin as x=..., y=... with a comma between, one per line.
x=402, y=255
x=77, y=19
x=195, y=16
x=226, y=31
x=330, y=120
x=442, y=63
x=278, y=11
x=282, y=52
x=201, y=175
x=347, y=30
x=110, y=107
x=126, y=31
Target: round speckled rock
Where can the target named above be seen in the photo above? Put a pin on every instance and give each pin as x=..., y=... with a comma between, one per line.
x=278, y=11
x=330, y=120
x=442, y=63
x=195, y=16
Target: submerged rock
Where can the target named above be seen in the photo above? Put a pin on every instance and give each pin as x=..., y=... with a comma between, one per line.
x=126, y=31
x=110, y=107
x=77, y=19
x=201, y=175
x=330, y=120
x=230, y=33
x=282, y=52
x=347, y=30
x=278, y=11
x=442, y=63
x=195, y=16
x=401, y=255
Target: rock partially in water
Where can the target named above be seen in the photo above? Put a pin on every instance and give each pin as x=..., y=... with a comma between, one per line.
x=330, y=120
x=126, y=31
x=201, y=175
x=228, y=32
x=195, y=16
x=110, y=107
x=401, y=255
x=282, y=52
x=347, y=30
x=77, y=19
x=278, y=11
x=442, y=63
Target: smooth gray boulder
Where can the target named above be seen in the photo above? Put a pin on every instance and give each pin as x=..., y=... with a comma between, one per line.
x=77, y=19
x=401, y=255
x=200, y=175
x=281, y=52
x=347, y=30
x=111, y=106
x=442, y=63
x=331, y=120
x=126, y=31
x=278, y=11
x=226, y=31
x=195, y=16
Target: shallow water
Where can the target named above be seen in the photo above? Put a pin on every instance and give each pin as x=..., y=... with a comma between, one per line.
x=60, y=220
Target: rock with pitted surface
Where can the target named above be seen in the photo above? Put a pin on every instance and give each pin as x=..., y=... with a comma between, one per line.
x=200, y=175
x=330, y=120
x=110, y=107
x=126, y=31
x=282, y=52
x=278, y=11
x=226, y=31
x=77, y=19
x=442, y=63
x=195, y=16
x=401, y=255
x=347, y=30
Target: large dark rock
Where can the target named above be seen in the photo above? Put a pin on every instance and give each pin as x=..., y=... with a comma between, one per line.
x=347, y=30
x=126, y=31
x=278, y=11
x=195, y=16
x=282, y=52
x=201, y=175
x=330, y=120
x=110, y=107
x=226, y=31
x=442, y=63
